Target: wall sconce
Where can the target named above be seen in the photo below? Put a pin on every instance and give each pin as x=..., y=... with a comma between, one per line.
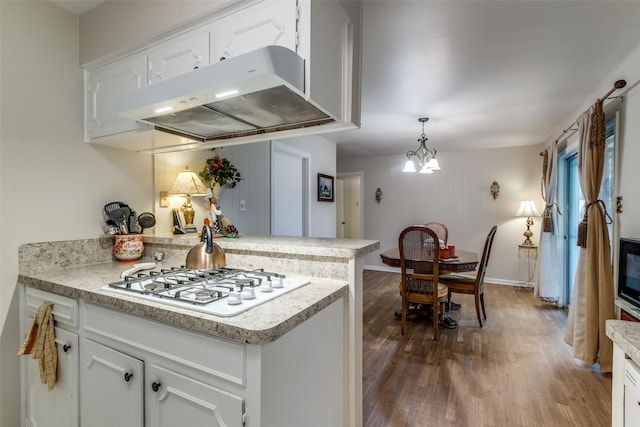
x=378, y=195
x=188, y=184
x=495, y=189
x=528, y=210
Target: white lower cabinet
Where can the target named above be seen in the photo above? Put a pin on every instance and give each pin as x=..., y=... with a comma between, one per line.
x=58, y=407
x=111, y=386
x=153, y=375
x=117, y=369
x=118, y=389
x=175, y=399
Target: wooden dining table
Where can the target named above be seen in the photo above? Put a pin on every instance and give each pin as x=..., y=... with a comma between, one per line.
x=466, y=261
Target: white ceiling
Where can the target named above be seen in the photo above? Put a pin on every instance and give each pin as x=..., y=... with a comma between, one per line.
x=486, y=73
x=77, y=7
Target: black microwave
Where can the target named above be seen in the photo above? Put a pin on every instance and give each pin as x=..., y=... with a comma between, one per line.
x=629, y=271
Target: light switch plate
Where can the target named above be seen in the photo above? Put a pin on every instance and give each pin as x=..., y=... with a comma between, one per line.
x=164, y=199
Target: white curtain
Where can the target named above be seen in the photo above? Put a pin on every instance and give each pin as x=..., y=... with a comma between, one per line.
x=548, y=279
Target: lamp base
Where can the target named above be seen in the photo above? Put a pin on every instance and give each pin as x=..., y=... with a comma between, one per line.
x=528, y=233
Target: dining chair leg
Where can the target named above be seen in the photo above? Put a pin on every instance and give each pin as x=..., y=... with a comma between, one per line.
x=482, y=303
x=478, y=308
x=436, y=319
x=403, y=316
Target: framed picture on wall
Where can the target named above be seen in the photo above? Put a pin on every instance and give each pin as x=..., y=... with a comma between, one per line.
x=325, y=188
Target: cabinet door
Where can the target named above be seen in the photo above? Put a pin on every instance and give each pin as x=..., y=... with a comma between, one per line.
x=58, y=407
x=178, y=57
x=102, y=84
x=271, y=22
x=174, y=399
x=111, y=384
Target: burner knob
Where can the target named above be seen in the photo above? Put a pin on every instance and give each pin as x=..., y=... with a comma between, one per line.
x=248, y=293
x=234, y=298
x=155, y=386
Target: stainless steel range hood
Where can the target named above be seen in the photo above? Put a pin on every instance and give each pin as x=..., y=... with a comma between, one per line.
x=258, y=92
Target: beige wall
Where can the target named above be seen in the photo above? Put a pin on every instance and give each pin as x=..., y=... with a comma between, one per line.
x=629, y=142
x=458, y=195
x=52, y=185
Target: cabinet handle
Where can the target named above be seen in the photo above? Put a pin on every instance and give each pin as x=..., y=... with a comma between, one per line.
x=155, y=386
x=127, y=376
x=66, y=348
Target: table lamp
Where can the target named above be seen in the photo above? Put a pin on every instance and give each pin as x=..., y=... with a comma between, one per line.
x=528, y=210
x=188, y=184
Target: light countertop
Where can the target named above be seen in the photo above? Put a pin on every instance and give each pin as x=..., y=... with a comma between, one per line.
x=76, y=269
x=259, y=325
x=626, y=335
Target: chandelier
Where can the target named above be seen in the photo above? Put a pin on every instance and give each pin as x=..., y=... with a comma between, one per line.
x=425, y=157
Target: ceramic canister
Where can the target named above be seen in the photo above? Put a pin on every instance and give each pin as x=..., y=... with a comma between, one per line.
x=128, y=247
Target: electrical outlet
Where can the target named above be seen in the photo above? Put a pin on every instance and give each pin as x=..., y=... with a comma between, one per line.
x=243, y=206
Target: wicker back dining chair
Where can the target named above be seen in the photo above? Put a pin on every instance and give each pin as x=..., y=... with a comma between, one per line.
x=416, y=244
x=440, y=229
x=472, y=285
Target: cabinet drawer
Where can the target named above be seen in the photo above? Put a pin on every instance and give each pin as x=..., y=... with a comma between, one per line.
x=65, y=310
x=215, y=356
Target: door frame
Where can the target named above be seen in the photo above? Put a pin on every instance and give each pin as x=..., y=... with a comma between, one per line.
x=304, y=157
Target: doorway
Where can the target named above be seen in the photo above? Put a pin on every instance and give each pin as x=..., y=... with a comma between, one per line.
x=349, y=202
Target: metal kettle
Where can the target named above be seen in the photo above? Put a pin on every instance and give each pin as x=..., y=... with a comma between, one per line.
x=206, y=254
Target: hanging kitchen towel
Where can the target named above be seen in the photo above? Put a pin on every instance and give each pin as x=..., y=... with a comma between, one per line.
x=41, y=344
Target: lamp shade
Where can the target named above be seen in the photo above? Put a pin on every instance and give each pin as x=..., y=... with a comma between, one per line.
x=409, y=166
x=189, y=183
x=527, y=209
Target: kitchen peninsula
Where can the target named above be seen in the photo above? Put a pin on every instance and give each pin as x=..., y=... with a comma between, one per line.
x=295, y=359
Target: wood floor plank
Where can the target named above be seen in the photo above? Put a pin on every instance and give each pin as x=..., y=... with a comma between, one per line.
x=515, y=371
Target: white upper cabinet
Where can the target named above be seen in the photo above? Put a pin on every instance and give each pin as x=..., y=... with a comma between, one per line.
x=270, y=22
x=178, y=57
x=169, y=59
x=102, y=83
x=320, y=32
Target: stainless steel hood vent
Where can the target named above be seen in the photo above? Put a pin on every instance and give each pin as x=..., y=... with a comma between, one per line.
x=258, y=92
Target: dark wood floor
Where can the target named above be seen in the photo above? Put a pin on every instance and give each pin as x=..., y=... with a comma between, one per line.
x=515, y=371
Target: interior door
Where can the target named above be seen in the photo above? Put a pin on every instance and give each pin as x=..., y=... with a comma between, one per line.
x=349, y=201
x=289, y=191
x=340, y=217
